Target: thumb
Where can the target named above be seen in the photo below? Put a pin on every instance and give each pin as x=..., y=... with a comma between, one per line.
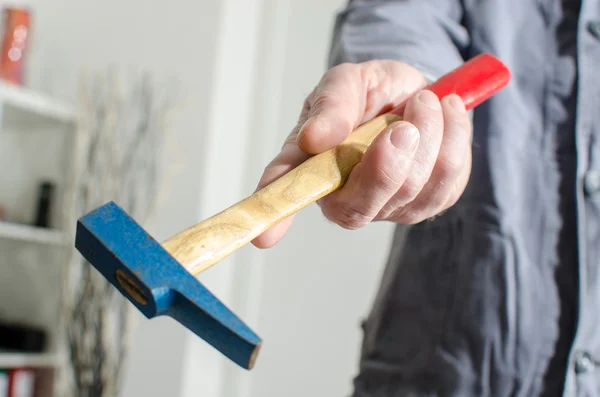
x=335, y=107
x=330, y=113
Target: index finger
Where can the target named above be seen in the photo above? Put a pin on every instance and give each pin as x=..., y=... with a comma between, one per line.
x=350, y=94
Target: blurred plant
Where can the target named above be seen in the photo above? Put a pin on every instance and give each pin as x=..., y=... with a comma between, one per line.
x=120, y=136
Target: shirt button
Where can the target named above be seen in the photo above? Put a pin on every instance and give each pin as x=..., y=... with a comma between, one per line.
x=584, y=363
x=591, y=182
x=594, y=28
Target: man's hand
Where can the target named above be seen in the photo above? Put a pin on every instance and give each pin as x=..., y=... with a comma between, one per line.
x=412, y=171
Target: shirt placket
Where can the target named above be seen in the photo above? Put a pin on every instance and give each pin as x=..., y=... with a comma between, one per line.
x=582, y=361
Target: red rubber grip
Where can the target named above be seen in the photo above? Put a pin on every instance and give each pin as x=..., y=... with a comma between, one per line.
x=474, y=81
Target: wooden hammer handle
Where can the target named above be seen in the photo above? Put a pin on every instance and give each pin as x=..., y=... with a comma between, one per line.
x=206, y=243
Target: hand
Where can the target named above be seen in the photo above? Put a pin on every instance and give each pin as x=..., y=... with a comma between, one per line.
x=412, y=171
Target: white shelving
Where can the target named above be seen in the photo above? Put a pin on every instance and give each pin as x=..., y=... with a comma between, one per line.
x=36, y=103
x=37, y=146
x=15, y=231
x=27, y=360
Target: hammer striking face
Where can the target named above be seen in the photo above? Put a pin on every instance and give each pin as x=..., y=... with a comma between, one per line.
x=159, y=278
x=157, y=284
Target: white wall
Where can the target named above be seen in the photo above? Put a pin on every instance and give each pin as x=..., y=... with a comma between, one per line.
x=246, y=66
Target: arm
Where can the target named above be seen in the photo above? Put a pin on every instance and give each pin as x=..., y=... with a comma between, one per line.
x=426, y=34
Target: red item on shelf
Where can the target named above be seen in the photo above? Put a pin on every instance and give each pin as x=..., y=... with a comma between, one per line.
x=21, y=383
x=15, y=37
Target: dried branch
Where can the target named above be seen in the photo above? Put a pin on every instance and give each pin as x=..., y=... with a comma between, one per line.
x=120, y=135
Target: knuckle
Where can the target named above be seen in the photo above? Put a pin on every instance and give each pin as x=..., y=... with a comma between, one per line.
x=324, y=99
x=350, y=217
x=432, y=126
x=387, y=179
x=387, y=209
x=308, y=100
x=334, y=74
x=307, y=104
x=459, y=127
x=411, y=188
x=436, y=200
x=306, y=107
x=433, y=196
x=450, y=164
x=431, y=202
x=453, y=156
x=337, y=77
x=463, y=125
x=373, y=75
x=407, y=215
x=412, y=218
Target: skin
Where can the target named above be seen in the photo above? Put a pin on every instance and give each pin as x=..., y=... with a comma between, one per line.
x=413, y=171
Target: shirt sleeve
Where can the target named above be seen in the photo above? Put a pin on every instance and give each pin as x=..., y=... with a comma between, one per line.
x=426, y=34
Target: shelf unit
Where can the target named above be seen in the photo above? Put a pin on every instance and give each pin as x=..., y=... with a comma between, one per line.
x=28, y=360
x=36, y=103
x=32, y=234
x=36, y=145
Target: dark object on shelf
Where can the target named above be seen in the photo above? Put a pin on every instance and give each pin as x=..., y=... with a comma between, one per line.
x=22, y=338
x=15, y=39
x=46, y=191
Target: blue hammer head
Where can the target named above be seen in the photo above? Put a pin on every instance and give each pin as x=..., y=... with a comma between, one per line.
x=157, y=284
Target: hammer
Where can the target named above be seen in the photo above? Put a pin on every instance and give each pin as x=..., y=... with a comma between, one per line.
x=159, y=279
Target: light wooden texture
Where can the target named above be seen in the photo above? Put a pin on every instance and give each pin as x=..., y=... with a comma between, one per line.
x=203, y=245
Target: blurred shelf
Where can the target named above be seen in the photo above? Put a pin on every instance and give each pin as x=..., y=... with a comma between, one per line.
x=20, y=360
x=35, y=102
x=16, y=231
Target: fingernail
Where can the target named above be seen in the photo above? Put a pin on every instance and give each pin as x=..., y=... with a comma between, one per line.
x=301, y=131
x=404, y=137
x=457, y=103
x=429, y=99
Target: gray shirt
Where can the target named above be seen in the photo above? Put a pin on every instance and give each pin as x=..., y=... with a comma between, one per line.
x=499, y=296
